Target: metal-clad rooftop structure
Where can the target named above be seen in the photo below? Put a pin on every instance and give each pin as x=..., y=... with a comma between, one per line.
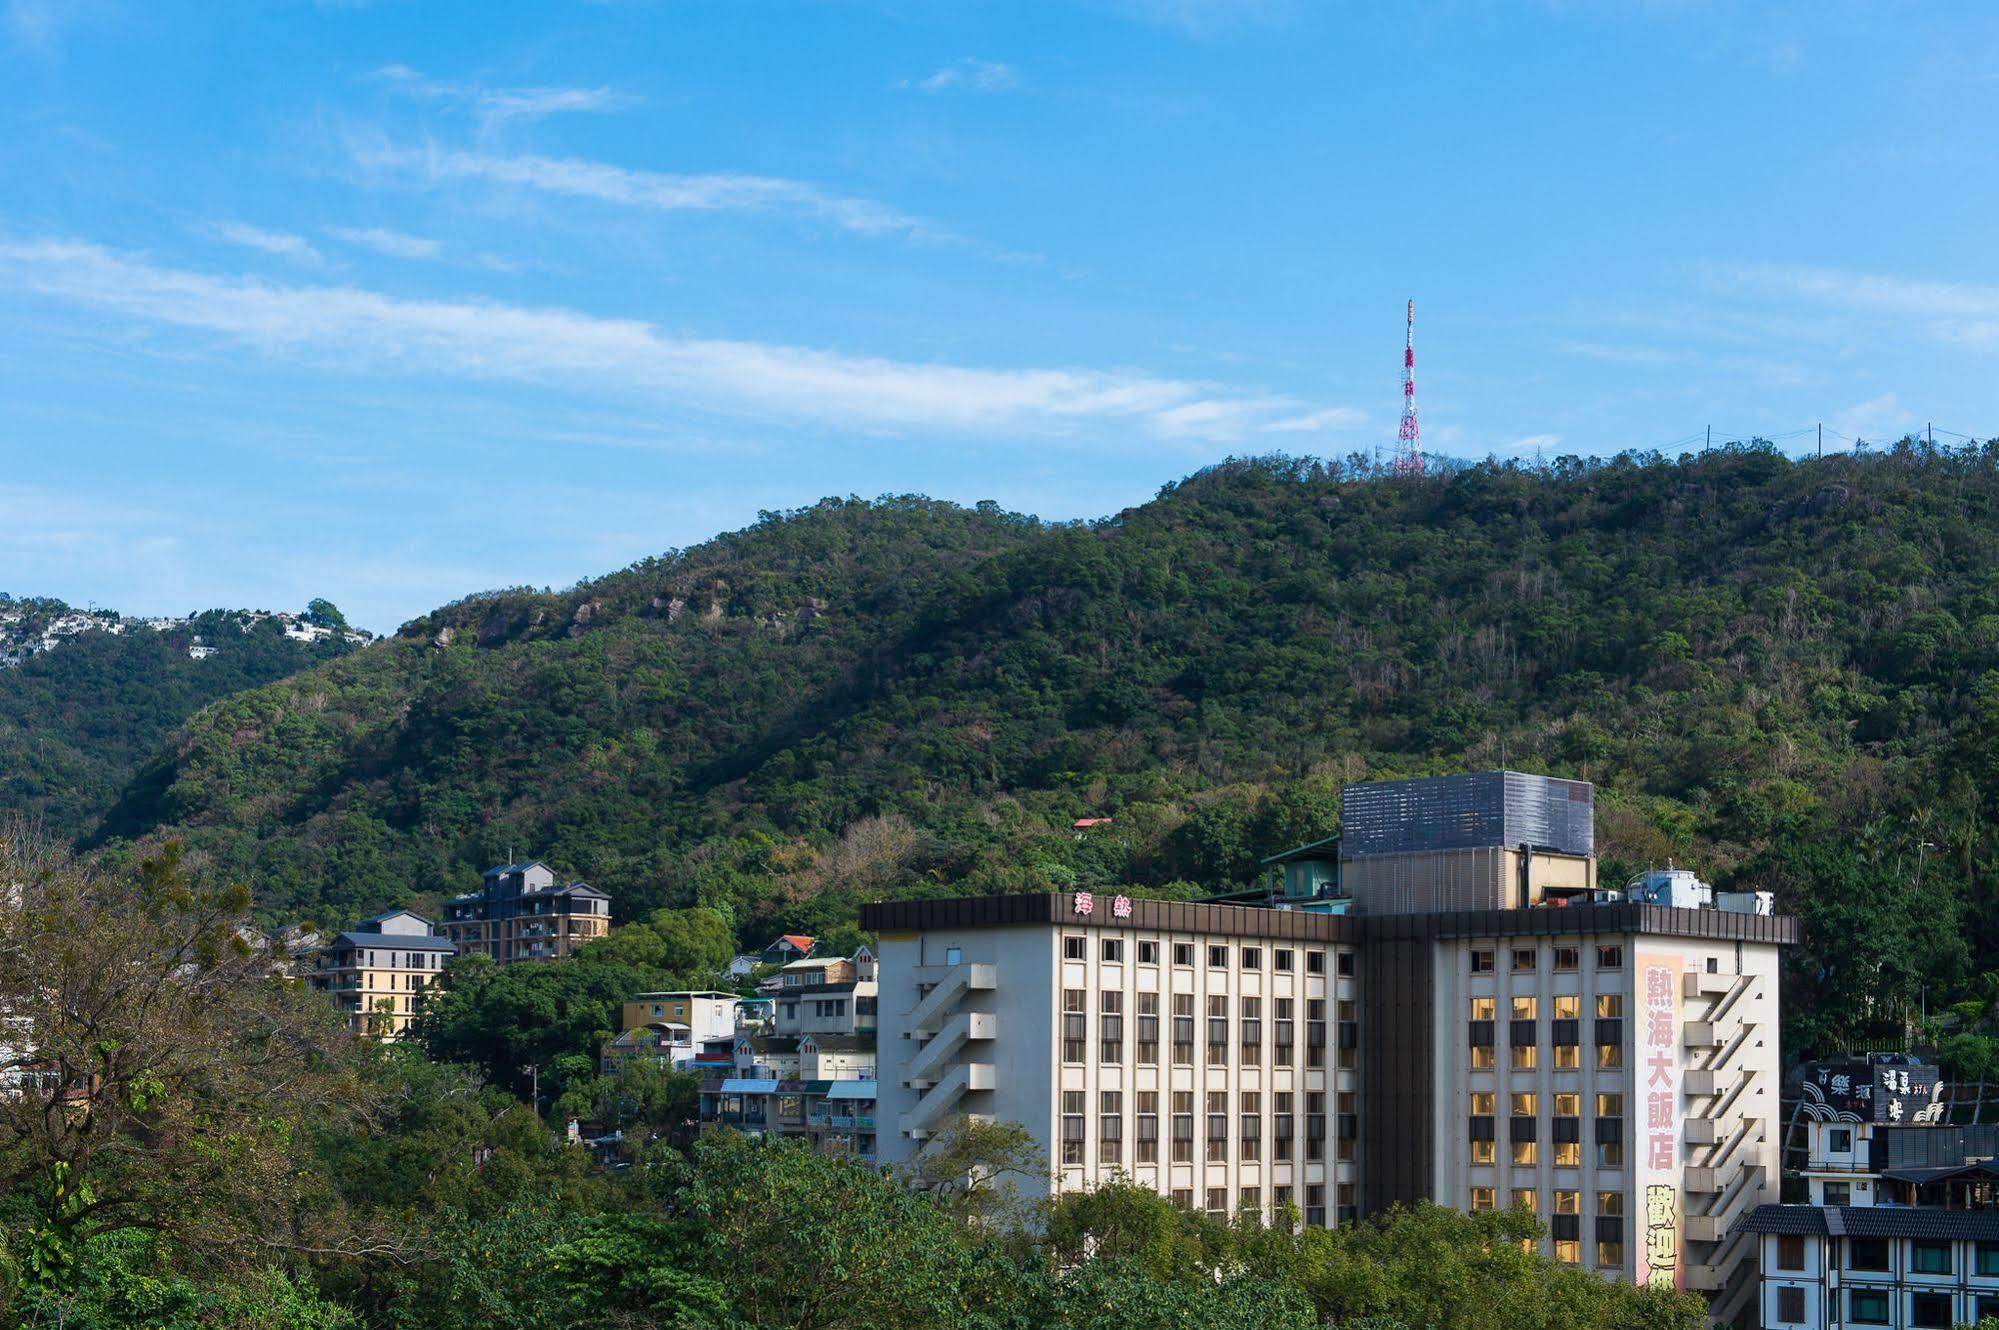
x=1481, y=810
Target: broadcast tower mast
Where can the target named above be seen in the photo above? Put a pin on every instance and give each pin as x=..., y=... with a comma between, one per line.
x=1409, y=438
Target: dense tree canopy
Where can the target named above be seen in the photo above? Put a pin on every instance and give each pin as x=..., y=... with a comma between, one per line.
x=1773, y=670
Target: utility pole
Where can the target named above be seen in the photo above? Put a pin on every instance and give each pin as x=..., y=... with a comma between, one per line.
x=1930, y=432
x=1710, y=438
x=534, y=1076
x=1821, y=440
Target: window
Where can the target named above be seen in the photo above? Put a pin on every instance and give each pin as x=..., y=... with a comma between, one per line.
x=1315, y=1125
x=1281, y=1120
x=1568, y=1007
x=1072, y=1126
x=1610, y=1154
x=1073, y=949
x=1867, y=1253
x=1315, y=1032
x=1525, y=958
x=1148, y=953
x=1842, y=1140
x=1218, y=1126
x=1568, y=958
x=1218, y=958
x=1568, y=1105
x=1183, y=1126
x=1482, y=1103
x=1346, y=963
x=1610, y=1105
x=1609, y=1006
x=1790, y=1252
x=1252, y=958
x=1930, y=1258
x=1484, y=1152
x=1930, y=1311
x=1526, y=1198
x=1868, y=1306
x=1252, y=1125
x=1183, y=1029
x=1609, y=1255
x=1791, y=1305
x=1315, y=962
x=1183, y=953
x=1839, y=1193
x=1524, y=1104
x=1524, y=1008
x=1483, y=1008
x=1147, y=1122
x=1183, y=1197
x=1609, y=1057
x=1988, y=1258
x=1113, y=949
x=1568, y=1154
x=1252, y=1032
x=1252, y=1198
x=1074, y=1025
x=1524, y=1057
x=1218, y=1200
x=1483, y=1198
x=1110, y=1126
x=1110, y=1026
x=1526, y=1152
x=1280, y=959
x=1481, y=962
x=1610, y=958
x=1568, y=1057
x=1569, y=1251
x=1148, y=1028
x=1218, y=1030
x=1482, y=1058
x=1282, y=1044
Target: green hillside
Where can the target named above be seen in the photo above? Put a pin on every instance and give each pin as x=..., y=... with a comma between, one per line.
x=77, y=721
x=1781, y=673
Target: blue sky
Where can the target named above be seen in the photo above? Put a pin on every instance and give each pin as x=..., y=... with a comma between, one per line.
x=392, y=301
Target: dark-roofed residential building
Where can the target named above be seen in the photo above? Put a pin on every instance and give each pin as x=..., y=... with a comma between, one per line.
x=521, y=913
x=380, y=971
x=1905, y=1268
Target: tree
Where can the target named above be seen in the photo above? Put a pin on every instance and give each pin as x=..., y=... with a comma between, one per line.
x=326, y=614
x=977, y=1167
x=172, y=1081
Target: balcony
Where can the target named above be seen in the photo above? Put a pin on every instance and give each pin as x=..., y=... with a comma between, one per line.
x=928, y=1063
x=1699, y=1034
x=1698, y=983
x=963, y=1079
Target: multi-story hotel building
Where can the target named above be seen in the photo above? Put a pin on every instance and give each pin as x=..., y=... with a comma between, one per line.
x=1482, y=1027
x=380, y=971
x=520, y=913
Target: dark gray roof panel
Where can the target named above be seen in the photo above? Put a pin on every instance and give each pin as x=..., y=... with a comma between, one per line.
x=1875, y=1221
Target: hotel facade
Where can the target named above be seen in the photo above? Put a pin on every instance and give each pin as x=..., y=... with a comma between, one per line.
x=1476, y=1025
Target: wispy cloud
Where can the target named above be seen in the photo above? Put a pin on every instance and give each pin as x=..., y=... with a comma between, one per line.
x=657, y=191
x=395, y=244
x=493, y=106
x=282, y=243
x=1617, y=354
x=1959, y=312
x=967, y=72
x=360, y=329
x=1203, y=18
x=1534, y=443
x=1877, y=418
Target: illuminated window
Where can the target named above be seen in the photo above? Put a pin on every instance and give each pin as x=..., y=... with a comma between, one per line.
x=1568, y=1057
x=1484, y=1198
x=1526, y=1198
x=1484, y=1152
x=1524, y=1104
x=1609, y=1006
x=1526, y=1152
x=1568, y=1007
x=1568, y=1105
x=1482, y=1102
x=1568, y=1154
x=1609, y=1057
x=1609, y=1255
x=1569, y=1251
x=1610, y=1105
x=1524, y=1057
x=1524, y=1008
x=1482, y=1057
x=1483, y=1008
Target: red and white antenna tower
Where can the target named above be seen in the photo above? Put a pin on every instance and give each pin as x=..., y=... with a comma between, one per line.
x=1409, y=438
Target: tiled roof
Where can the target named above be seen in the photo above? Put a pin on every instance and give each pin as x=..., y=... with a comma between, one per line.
x=843, y=1043
x=1874, y=1221
x=395, y=941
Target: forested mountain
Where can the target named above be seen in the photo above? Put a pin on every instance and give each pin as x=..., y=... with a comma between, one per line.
x=78, y=719
x=1781, y=673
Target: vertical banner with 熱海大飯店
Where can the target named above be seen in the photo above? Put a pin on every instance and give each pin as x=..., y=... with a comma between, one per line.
x=1659, y=1161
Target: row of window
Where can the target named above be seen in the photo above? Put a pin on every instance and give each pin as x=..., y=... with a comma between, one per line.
x=1873, y=1254
x=1245, y=1140
x=1566, y=958
x=1246, y=1038
x=1873, y=1306
x=1565, y=1222
x=1280, y=1198
x=1282, y=959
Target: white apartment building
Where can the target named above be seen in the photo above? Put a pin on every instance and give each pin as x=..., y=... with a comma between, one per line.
x=1611, y=1066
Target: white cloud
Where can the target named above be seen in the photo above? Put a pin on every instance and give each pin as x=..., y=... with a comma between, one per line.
x=355, y=328
x=35, y=24
x=967, y=72
x=282, y=243
x=1959, y=312
x=495, y=106
x=658, y=191
x=1534, y=443
x=1314, y=422
x=395, y=244
x=1201, y=18
x=1877, y=418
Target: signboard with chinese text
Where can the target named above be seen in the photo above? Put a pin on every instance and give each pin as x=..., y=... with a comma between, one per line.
x=1656, y=1119
x=1858, y=1091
